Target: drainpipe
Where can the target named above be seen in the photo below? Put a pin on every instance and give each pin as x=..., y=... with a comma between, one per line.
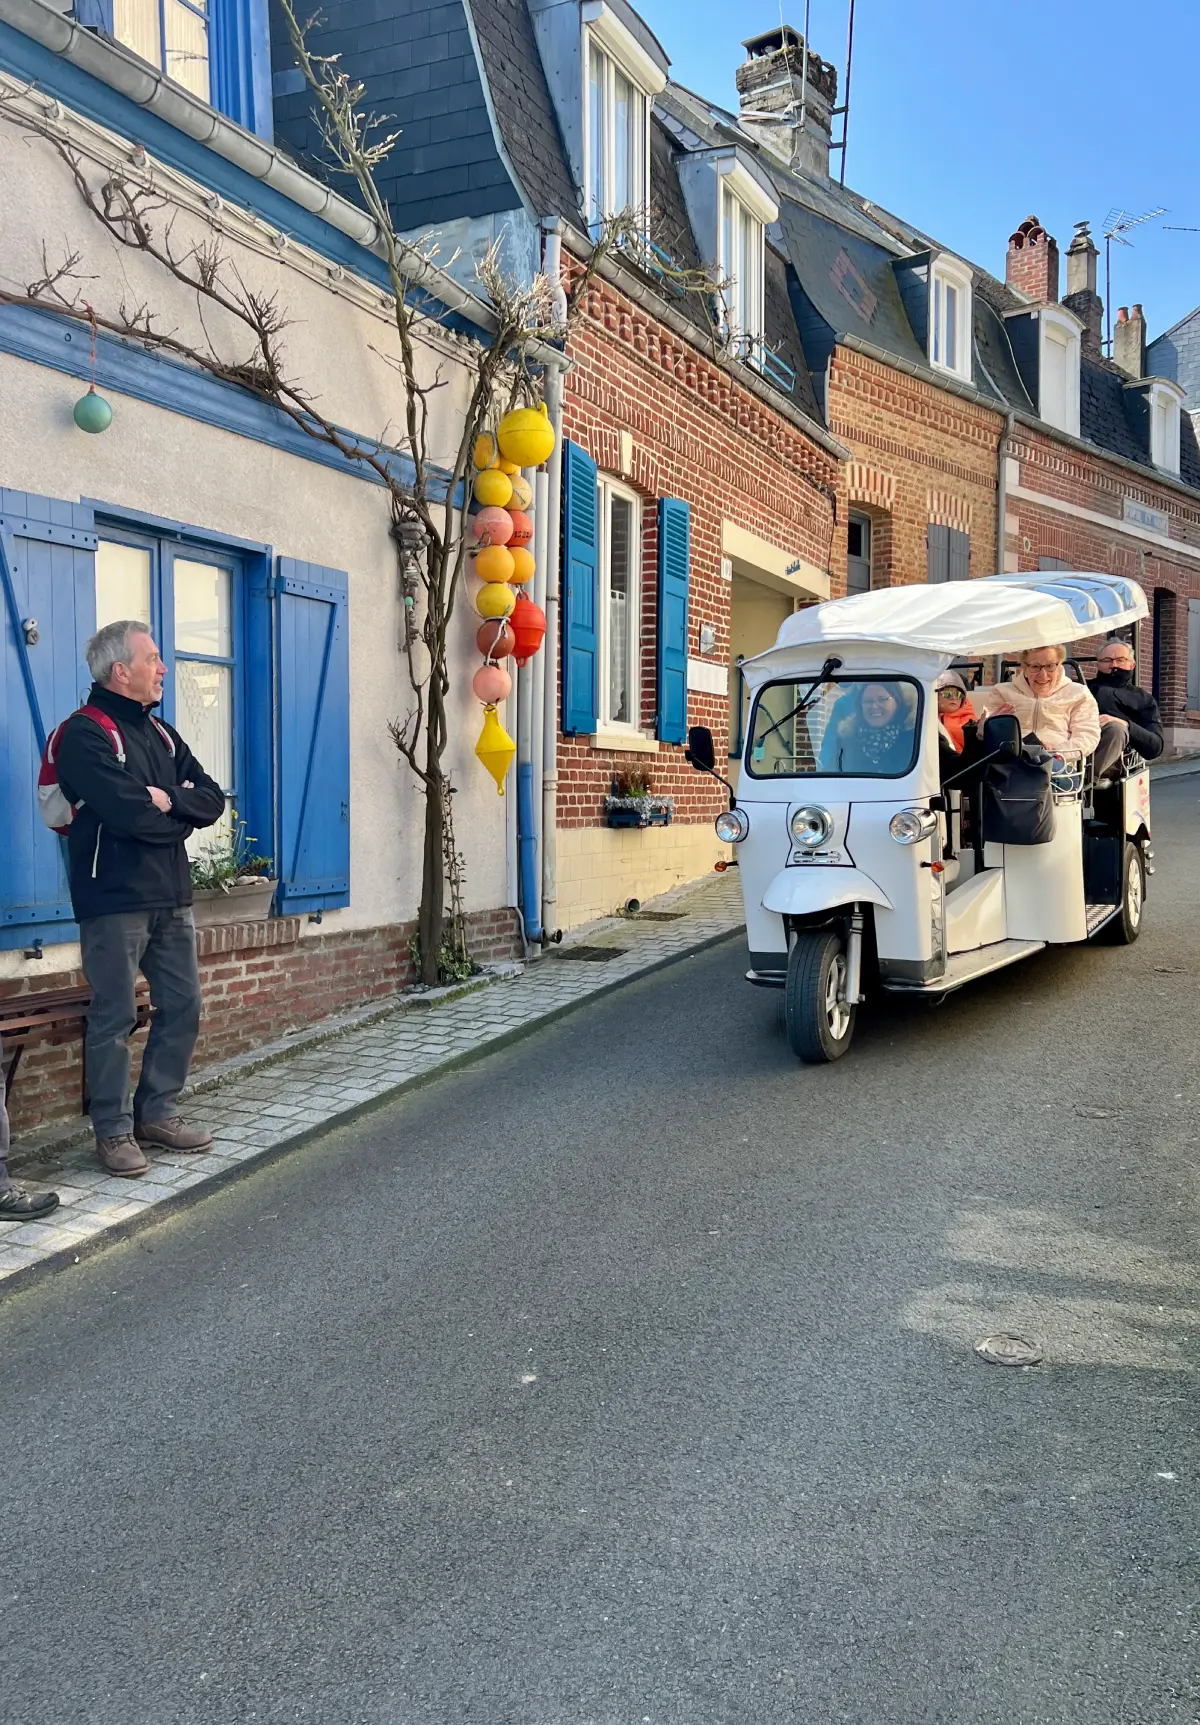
x=1002, y=488
x=552, y=264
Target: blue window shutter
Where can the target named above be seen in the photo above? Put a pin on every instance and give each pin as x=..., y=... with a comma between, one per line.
x=239, y=61
x=312, y=651
x=958, y=554
x=674, y=534
x=47, y=575
x=581, y=591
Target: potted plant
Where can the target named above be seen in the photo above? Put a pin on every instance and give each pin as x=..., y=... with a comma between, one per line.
x=632, y=802
x=230, y=881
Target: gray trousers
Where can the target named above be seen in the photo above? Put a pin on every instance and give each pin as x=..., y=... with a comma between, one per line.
x=162, y=945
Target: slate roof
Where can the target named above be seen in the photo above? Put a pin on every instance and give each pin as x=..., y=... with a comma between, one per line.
x=525, y=116
x=841, y=248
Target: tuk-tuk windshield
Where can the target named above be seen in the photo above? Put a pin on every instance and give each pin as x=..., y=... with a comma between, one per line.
x=845, y=727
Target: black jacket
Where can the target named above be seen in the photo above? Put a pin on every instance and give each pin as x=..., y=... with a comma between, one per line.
x=123, y=853
x=1116, y=693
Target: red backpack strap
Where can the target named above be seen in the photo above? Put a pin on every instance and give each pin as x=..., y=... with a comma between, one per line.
x=163, y=732
x=108, y=725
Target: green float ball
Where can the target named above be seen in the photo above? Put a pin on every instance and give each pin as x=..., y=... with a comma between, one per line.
x=92, y=412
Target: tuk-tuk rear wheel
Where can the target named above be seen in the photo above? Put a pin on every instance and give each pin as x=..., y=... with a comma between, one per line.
x=820, y=1023
x=1125, y=927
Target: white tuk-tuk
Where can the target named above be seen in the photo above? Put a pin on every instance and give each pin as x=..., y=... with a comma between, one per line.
x=869, y=850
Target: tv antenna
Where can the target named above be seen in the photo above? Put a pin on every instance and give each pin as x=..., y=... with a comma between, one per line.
x=1117, y=223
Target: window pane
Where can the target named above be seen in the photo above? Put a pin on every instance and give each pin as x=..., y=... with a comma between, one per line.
x=122, y=584
x=950, y=357
x=204, y=716
x=729, y=254
x=135, y=23
x=203, y=621
x=187, y=48
x=1053, y=402
x=624, y=163
x=621, y=621
x=596, y=131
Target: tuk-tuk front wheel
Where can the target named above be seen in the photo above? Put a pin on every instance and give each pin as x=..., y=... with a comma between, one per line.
x=820, y=1022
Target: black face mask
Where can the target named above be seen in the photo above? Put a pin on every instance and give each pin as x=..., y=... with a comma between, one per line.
x=1114, y=679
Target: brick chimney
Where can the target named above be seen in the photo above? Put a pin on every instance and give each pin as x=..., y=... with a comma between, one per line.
x=1032, y=264
x=1081, y=296
x=1129, y=342
x=790, y=116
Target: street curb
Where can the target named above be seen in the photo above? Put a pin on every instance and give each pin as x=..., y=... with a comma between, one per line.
x=55, y=1263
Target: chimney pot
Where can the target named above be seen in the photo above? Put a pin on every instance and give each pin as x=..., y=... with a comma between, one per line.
x=1081, y=296
x=1031, y=267
x=1129, y=342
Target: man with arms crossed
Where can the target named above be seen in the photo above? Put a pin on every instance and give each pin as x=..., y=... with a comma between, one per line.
x=131, y=892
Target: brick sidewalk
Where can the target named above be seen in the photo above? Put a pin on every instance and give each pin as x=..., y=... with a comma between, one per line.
x=273, y=1105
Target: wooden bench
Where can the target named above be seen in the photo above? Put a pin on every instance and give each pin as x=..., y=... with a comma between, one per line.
x=25, y=1018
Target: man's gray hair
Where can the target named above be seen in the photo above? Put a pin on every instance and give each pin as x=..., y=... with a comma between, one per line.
x=110, y=646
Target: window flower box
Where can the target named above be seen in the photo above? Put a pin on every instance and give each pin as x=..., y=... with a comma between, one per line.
x=639, y=811
x=247, y=900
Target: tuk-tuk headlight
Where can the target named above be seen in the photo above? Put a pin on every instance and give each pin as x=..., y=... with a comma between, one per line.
x=732, y=827
x=910, y=826
x=811, y=827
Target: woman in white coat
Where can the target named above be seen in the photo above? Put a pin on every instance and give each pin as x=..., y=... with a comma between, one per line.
x=1062, y=715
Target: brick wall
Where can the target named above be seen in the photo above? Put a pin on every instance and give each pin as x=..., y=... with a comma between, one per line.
x=260, y=980
x=699, y=435
x=1037, y=529
x=922, y=455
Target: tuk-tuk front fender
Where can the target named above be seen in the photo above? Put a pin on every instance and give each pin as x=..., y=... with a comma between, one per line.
x=811, y=887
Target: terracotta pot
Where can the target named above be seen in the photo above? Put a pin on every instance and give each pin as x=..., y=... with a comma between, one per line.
x=248, y=901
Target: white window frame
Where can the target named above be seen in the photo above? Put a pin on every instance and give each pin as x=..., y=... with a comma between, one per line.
x=946, y=273
x=1064, y=331
x=608, y=488
x=1164, y=452
x=750, y=210
x=618, y=50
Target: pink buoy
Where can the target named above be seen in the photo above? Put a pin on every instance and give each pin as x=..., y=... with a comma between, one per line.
x=492, y=684
x=493, y=525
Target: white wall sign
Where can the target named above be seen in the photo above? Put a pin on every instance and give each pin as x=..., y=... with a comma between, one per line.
x=1156, y=520
x=707, y=678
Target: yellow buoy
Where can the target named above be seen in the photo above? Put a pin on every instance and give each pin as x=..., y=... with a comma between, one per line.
x=522, y=494
x=526, y=436
x=484, y=452
x=495, y=600
x=493, y=488
x=511, y=468
x=494, y=563
x=523, y=566
x=495, y=748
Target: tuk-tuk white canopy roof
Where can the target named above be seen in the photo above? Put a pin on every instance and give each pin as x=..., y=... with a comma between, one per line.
x=960, y=619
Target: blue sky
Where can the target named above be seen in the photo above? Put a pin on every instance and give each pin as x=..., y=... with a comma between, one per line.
x=966, y=119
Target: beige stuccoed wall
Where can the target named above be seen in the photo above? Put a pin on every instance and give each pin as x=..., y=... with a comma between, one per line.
x=160, y=463
x=601, y=868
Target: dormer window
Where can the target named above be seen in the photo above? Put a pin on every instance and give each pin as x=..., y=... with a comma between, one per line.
x=745, y=211
x=1164, y=426
x=620, y=79
x=1058, y=370
x=172, y=35
x=950, y=317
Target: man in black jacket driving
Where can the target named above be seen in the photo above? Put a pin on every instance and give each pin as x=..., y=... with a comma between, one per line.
x=132, y=895
x=1121, y=702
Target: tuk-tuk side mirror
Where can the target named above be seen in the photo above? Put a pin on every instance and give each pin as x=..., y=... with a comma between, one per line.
x=1002, y=735
x=700, y=751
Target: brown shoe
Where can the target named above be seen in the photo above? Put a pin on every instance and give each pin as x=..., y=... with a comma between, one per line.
x=173, y=1134
x=122, y=1156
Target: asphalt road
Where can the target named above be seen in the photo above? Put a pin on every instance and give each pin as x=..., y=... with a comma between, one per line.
x=628, y=1376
